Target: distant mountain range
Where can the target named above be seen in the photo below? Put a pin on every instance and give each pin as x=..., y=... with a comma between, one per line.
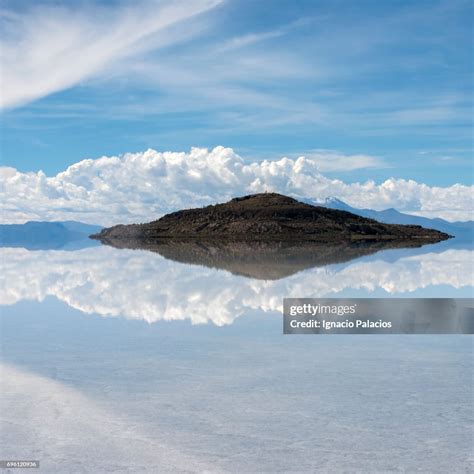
x=34, y=235
x=461, y=230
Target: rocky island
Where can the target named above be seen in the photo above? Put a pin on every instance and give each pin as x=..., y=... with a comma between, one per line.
x=268, y=217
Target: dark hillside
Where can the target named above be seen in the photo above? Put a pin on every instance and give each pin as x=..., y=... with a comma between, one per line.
x=269, y=216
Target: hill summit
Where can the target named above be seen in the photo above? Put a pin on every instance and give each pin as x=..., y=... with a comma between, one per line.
x=268, y=216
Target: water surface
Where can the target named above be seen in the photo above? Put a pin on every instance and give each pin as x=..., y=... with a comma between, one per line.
x=118, y=360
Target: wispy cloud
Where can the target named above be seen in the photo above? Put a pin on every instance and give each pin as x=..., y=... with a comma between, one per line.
x=304, y=74
x=51, y=48
x=330, y=161
x=249, y=39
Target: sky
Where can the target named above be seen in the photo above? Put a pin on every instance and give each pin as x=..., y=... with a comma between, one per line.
x=376, y=96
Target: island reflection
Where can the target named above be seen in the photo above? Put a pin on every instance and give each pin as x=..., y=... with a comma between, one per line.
x=261, y=260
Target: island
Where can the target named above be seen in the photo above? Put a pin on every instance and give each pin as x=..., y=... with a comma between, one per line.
x=269, y=217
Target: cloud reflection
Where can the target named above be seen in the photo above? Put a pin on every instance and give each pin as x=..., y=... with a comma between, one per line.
x=141, y=285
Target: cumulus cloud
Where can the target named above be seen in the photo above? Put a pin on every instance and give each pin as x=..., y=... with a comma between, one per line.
x=138, y=187
x=145, y=286
x=51, y=48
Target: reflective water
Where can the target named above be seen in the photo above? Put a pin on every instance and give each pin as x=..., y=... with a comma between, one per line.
x=122, y=360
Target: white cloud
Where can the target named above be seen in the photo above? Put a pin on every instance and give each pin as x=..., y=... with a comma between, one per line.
x=51, y=48
x=145, y=286
x=252, y=38
x=329, y=161
x=138, y=187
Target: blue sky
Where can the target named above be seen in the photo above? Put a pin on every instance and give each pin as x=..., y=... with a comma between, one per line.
x=391, y=80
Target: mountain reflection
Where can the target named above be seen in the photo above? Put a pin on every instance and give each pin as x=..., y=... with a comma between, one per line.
x=261, y=260
x=142, y=285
